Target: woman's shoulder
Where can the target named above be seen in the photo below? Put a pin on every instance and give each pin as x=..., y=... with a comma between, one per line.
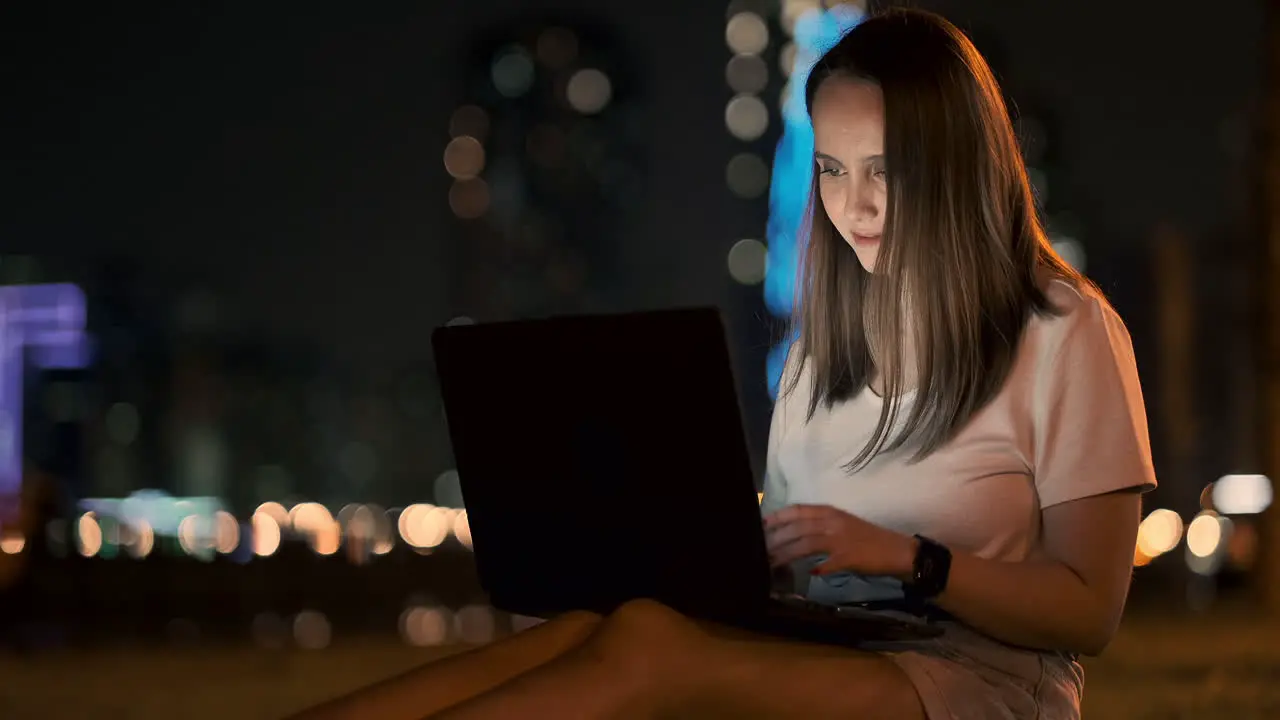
x=1075, y=307
x=1079, y=320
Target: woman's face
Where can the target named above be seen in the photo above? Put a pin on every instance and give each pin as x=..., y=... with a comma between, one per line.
x=848, y=135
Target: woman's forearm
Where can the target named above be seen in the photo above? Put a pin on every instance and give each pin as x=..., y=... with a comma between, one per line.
x=1041, y=603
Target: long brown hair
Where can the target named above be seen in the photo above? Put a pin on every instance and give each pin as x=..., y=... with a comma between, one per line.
x=962, y=256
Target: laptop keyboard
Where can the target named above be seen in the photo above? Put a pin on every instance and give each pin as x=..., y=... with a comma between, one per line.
x=800, y=602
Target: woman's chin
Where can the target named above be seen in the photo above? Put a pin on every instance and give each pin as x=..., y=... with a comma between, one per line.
x=865, y=251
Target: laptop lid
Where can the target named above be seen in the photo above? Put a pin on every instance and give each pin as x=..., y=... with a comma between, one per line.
x=603, y=458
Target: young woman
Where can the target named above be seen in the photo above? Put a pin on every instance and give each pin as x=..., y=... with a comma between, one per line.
x=960, y=423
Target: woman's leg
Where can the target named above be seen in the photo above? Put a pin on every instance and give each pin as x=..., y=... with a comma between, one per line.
x=437, y=685
x=647, y=660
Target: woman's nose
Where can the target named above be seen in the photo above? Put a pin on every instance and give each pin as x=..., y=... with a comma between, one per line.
x=860, y=203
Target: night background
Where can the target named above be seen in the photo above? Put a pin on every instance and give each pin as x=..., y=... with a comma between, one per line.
x=237, y=479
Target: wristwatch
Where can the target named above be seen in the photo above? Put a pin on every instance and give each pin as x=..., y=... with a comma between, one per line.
x=929, y=570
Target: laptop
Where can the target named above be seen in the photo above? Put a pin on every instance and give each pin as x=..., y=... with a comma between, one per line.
x=603, y=458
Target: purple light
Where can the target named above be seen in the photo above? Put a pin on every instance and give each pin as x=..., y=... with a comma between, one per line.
x=48, y=320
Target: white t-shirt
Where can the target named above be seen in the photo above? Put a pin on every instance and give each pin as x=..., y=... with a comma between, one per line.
x=1069, y=423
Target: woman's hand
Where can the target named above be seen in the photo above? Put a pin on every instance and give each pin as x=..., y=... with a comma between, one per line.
x=849, y=543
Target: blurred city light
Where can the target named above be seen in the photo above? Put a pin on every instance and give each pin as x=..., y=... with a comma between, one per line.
x=311, y=630
x=747, y=74
x=1241, y=494
x=747, y=260
x=746, y=117
x=1204, y=534
x=46, y=324
x=589, y=91
x=746, y=34
x=12, y=542
x=1160, y=532
x=423, y=626
x=464, y=157
x=513, y=72
x=266, y=534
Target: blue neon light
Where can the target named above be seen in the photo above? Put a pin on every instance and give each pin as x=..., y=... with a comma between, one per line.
x=815, y=32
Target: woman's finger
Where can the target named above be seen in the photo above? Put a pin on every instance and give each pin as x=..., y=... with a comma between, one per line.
x=797, y=549
x=791, y=531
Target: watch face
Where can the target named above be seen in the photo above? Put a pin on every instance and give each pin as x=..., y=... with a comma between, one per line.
x=925, y=569
x=930, y=576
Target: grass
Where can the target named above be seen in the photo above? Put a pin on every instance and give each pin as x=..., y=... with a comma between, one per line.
x=1158, y=668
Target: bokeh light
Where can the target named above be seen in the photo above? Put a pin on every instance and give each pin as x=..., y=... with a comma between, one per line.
x=747, y=74
x=141, y=538
x=226, y=532
x=276, y=512
x=1242, y=494
x=589, y=91
x=746, y=34
x=746, y=117
x=1204, y=534
x=747, y=175
x=462, y=529
x=311, y=630
x=423, y=626
x=1160, y=532
x=513, y=72
x=464, y=157
x=424, y=526
x=787, y=58
x=475, y=624
x=88, y=535
x=12, y=542
x=747, y=261
x=266, y=534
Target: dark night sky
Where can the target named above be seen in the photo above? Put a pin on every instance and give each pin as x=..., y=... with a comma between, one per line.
x=249, y=143
x=297, y=158
x=294, y=158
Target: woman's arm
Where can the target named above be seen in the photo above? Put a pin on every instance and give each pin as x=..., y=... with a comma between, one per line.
x=1070, y=597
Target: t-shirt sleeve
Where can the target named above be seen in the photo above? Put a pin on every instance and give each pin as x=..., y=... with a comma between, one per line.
x=1091, y=423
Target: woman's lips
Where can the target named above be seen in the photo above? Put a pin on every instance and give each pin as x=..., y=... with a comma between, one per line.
x=866, y=239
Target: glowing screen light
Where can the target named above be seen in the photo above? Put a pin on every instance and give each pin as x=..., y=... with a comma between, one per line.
x=815, y=31
x=45, y=323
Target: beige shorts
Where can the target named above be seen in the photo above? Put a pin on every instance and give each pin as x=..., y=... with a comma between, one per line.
x=964, y=675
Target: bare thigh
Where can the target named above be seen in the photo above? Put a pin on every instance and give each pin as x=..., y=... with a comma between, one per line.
x=704, y=670
x=457, y=678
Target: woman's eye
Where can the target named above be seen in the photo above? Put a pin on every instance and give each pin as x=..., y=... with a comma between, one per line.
x=830, y=172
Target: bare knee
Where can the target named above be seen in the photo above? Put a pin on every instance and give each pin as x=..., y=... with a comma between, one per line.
x=647, y=622
x=642, y=637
